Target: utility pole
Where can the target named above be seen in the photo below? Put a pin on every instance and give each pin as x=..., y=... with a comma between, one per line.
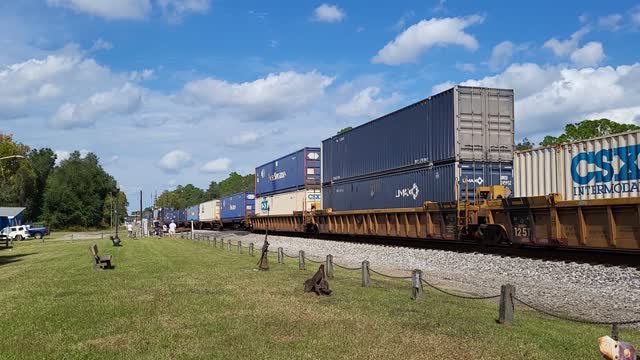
x=116, y=212
x=141, y=231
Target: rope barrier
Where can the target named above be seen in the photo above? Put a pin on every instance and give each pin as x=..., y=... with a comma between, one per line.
x=346, y=267
x=567, y=318
x=289, y=256
x=314, y=261
x=389, y=276
x=460, y=296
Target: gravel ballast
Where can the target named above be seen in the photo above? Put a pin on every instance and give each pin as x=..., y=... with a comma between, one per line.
x=590, y=292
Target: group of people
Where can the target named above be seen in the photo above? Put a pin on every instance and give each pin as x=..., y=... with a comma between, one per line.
x=160, y=231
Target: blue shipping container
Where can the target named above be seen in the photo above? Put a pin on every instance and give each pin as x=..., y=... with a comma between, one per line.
x=291, y=172
x=182, y=215
x=460, y=124
x=167, y=215
x=412, y=188
x=193, y=213
x=237, y=206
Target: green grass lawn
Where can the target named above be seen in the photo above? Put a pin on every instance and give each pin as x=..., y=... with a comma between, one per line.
x=169, y=299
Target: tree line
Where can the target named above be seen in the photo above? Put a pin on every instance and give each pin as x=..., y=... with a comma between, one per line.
x=50, y=193
x=188, y=195
x=583, y=130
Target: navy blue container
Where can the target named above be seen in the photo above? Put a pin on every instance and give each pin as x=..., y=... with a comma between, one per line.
x=460, y=124
x=167, y=215
x=182, y=215
x=295, y=171
x=412, y=188
x=193, y=213
x=237, y=206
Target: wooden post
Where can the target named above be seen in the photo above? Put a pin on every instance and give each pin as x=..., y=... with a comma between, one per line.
x=221, y=243
x=615, y=334
x=250, y=249
x=229, y=245
x=507, y=292
x=329, y=266
x=280, y=256
x=301, y=260
x=366, y=277
x=239, y=247
x=101, y=236
x=416, y=284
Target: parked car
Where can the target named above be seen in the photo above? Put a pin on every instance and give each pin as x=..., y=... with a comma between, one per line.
x=38, y=231
x=17, y=233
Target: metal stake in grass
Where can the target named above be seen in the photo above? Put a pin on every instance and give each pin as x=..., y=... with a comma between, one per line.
x=250, y=249
x=239, y=247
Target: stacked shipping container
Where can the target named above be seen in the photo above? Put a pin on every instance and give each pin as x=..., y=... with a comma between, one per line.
x=290, y=183
x=210, y=211
x=600, y=168
x=429, y=151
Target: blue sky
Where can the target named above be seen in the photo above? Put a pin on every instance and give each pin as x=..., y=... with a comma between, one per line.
x=172, y=92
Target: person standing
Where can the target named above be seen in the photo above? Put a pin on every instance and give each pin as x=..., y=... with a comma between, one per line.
x=130, y=229
x=172, y=229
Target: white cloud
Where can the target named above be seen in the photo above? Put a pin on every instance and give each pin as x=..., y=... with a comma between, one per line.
x=501, y=54
x=274, y=43
x=39, y=85
x=175, y=10
x=367, y=102
x=61, y=155
x=216, y=166
x=243, y=139
x=440, y=6
x=262, y=99
x=399, y=25
x=328, y=13
x=420, y=37
x=108, y=9
x=143, y=75
x=610, y=22
x=442, y=87
x=175, y=161
x=101, y=44
x=549, y=97
x=566, y=47
x=591, y=54
x=466, y=67
x=124, y=100
x=635, y=16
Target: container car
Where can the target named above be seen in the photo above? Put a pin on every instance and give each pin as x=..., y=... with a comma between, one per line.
x=167, y=215
x=408, y=189
x=460, y=124
x=236, y=208
x=193, y=213
x=298, y=170
x=601, y=168
x=288, y=202
x=210, y=211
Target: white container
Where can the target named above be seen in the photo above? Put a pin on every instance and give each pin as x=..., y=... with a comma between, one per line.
x=210, y=211
x=600, y=168
x=288, y=202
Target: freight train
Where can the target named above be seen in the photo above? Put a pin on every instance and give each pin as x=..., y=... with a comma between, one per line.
x=443, y=169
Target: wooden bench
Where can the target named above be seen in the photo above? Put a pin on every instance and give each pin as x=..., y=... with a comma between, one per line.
x=99, y=262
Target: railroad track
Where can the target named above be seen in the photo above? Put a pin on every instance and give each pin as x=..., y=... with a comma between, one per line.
x=552, y=253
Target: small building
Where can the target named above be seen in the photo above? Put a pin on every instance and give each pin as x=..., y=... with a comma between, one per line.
x=10, y=216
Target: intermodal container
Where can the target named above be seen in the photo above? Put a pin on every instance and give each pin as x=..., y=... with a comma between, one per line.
x=601, y=168
x=210, y=211
x=167, y=215
x=288, y=202
x=193, y=213
x=298, y=170
x=409, y=189
x=182, y=215
x=460, y=124
x=237, y=206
